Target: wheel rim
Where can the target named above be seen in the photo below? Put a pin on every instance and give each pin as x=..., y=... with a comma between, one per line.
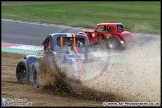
x=21, y=72
x=111, y=44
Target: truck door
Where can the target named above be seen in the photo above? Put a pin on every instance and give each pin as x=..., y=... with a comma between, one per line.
x=101, y=29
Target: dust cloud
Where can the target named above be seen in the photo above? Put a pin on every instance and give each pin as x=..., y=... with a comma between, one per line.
x=135, y=77
x=138, y=78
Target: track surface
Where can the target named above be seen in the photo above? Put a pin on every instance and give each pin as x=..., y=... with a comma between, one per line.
x=33, y=34
x=29, y=33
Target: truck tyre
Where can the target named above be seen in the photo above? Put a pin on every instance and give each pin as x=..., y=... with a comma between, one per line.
x=22, y=73
x=112, y=43
x=36, y=75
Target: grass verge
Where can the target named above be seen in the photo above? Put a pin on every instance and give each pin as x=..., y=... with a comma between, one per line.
x=136, y=16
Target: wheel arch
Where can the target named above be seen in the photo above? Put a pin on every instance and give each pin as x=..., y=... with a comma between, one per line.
x=31, y=61
x=114, y=37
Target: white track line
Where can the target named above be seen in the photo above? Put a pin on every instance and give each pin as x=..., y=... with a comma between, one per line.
x=40, y=23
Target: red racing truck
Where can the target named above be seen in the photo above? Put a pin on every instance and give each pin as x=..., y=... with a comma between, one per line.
x=113, y=34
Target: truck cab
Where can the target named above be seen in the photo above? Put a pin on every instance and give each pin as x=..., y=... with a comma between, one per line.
x=113, y=34
x=60, y=42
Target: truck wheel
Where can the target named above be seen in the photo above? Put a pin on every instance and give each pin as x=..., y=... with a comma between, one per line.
x=112, y=43
x=22, y=73
x=36, y=77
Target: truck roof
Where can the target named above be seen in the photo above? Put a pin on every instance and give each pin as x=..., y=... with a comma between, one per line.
x=68, y=35
x=65, y=34
x=108, y=23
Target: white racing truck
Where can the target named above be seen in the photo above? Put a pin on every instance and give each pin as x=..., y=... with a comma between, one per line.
x=66, y=56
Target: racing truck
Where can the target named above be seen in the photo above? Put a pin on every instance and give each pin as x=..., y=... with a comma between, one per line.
x=65, y=56
x=113, y=34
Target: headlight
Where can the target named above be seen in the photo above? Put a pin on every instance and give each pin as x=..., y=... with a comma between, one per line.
x=122, y=42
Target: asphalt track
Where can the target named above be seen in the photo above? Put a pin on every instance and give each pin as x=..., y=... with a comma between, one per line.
x=28, y=33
